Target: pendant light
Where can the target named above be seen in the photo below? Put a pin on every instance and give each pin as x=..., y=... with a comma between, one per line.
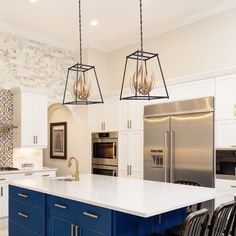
x=141, y=81
x=79, y=80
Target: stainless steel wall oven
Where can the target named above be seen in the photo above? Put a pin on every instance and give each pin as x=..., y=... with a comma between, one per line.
x=104, y=153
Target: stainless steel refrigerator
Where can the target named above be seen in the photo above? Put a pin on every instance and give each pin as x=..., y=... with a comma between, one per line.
x=179, y=141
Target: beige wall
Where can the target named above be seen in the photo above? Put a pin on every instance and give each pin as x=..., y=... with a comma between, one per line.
x=197, y=48
x=77, y=137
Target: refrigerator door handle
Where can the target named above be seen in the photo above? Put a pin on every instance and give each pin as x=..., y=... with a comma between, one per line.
x=172, y=133
x=166, y=153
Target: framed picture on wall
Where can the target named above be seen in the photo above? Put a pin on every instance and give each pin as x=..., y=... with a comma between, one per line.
x=58, y=140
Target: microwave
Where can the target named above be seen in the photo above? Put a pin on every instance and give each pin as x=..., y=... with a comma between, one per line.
x=226, y=162
x=104, y=148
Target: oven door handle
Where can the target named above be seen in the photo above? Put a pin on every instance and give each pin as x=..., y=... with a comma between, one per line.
x=114, y=150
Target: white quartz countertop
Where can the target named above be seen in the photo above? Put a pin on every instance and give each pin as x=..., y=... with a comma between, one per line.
x=137, y=197
x=27, y=170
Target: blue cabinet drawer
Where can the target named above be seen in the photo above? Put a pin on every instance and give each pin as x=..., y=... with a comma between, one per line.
x=27, y=196
x=62, y=207
x=27, y=215
x=97, y=216
x=18, y=230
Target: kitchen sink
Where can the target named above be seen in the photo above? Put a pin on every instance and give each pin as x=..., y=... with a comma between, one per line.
x=67, y=179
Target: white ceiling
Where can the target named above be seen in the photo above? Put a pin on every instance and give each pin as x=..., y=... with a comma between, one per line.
x=55, y=21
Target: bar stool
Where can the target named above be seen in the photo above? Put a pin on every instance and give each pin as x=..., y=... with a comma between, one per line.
x=194, y=225
x=191, y=208
x=222, y=220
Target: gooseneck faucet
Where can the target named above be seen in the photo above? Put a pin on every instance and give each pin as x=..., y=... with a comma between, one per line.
x=76, y=174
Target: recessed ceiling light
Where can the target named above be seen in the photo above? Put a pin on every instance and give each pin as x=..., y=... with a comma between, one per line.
x=33, y=0
x=93, y=23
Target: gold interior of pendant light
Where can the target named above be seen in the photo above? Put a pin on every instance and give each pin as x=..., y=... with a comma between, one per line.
x=142, y=82
x=81, y=88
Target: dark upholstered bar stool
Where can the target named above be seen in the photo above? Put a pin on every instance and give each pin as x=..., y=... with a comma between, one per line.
x=191, y=208
x=194, y=225
x=222, y=220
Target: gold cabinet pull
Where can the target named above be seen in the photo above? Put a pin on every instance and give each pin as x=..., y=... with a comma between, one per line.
x=127, y=170
x=22, y=195
x=72, y=229
x=76, y=230
x=2, y=179
x=28, y=174
x=22, y=215
x=233, y=186
x=130, y=124
x=130, y=170
x=1, y=192
x=60, y=206
x=90, y=215
x=46, y=175
x=36, y=139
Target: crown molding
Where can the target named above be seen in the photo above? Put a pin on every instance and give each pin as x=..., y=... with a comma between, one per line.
x=6, y=28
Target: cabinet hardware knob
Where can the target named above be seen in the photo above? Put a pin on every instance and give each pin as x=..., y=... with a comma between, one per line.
x=90, y=215
x=22, y=195
x=22, y=215
x=60, y=206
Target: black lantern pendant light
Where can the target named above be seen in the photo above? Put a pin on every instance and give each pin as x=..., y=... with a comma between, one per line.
x=141, y=82
x=79, y=80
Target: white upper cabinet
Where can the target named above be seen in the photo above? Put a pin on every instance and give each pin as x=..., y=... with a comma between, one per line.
x=30, y=116
x=104, y=117
x=225, y=98
x=195, y=89
x=131, y=115
x=226, y=134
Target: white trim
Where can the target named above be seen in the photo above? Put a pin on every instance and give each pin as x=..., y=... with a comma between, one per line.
x=16, y=31
x=183, y=79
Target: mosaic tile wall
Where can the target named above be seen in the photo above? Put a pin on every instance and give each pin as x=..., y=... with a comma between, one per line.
x=6, y=136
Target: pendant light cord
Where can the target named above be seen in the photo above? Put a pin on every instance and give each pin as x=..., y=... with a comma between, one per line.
x=141, y=24
x=80, y=34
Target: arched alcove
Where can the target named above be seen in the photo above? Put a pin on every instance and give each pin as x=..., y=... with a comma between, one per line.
x=77, y=137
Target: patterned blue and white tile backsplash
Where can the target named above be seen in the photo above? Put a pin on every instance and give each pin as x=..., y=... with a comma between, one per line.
x=6, y=136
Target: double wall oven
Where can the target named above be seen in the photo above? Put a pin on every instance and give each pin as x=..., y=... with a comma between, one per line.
x=104, y=153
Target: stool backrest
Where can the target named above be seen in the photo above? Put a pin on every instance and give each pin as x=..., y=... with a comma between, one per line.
x=222, y=219
x=191, y=183
x=195, y=224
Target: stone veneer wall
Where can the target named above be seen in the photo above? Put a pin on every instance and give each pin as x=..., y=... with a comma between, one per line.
x=27, y=63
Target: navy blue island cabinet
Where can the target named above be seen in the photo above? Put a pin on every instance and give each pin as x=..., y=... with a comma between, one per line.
x=33, y=213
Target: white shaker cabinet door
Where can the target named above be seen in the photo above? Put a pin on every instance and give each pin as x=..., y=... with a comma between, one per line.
x=131, y=115
x=123, y=153
x=30, y=115
x=27, y=123
x=131, y=154
x=40, y=119
x=226, y=134
x=225, y=98
x=136, y=157
x=3, y=201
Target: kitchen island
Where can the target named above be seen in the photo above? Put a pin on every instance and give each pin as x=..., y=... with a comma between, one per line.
x=99, y=205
